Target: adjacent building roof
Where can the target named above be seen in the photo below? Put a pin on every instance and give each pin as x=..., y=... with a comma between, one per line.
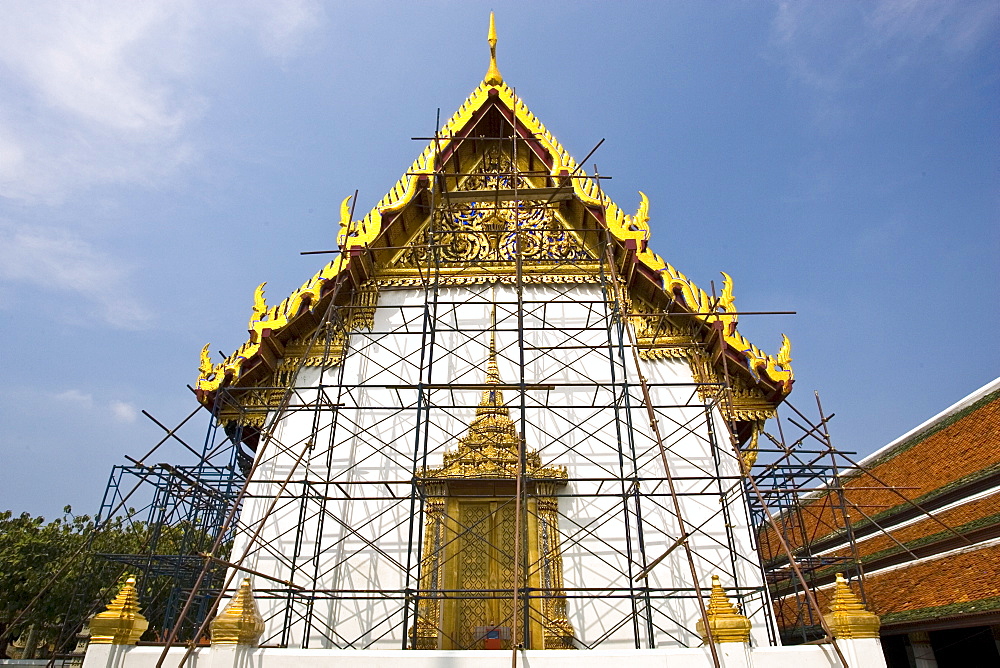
x=925, y=512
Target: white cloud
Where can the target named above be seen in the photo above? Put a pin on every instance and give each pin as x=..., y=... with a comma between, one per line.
x=55, y=260
x=280, y=26
x=92, y=97
x=109, y=93
x=804, y=33
x=833, y=46
x=955, y=27
x=76, y=398
x=122, y=411
x=96, y=93
x=118, y=410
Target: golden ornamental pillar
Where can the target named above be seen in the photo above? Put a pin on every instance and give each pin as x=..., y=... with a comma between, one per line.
x=239, y=623
x=428, y=623
x=725, y=622
x=848, y=619
x=557, y=628
x=121, y=623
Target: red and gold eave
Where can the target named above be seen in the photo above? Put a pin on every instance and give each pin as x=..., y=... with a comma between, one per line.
x=399, y=215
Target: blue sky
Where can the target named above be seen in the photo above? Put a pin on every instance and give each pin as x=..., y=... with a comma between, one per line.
x=160, y=159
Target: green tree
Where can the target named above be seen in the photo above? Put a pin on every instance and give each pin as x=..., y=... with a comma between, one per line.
x=47, y=571
x=30, y=551
x=53, y=577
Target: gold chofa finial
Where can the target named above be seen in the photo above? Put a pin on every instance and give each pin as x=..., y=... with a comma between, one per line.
x=848, y=617
x=726, y=623
x=785, y=352
x=493, y=77
x=205, y=365
x=121, y=623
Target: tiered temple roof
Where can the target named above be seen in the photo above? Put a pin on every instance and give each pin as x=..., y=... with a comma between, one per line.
x=368, y=245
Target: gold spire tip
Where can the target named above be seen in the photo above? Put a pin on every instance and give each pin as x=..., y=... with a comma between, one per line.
x=492, y=370
x=493, y=332
x=493, y=76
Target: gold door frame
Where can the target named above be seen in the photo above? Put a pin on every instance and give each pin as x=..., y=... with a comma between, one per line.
x=455, y=603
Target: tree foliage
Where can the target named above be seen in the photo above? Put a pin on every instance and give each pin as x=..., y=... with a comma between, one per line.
x=53, y=576
x=50, y=576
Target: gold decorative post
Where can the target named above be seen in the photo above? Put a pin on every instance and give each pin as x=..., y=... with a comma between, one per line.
x=121, y=623
x=557, y=628
x=726, y=623
x=239, y=623
x=426, y=631
x=848, y=618
x=493, y=77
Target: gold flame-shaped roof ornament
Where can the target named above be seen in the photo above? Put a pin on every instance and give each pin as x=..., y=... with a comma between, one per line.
x=724, y=620
x=239, y=623
x=848, y=618
x=121, y=623
x=493, y=76
x=785, y=353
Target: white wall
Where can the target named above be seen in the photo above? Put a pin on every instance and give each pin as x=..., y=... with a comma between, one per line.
x=364, y=543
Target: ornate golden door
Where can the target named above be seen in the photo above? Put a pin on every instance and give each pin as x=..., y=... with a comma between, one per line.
x=471, y=567
x=485, y=573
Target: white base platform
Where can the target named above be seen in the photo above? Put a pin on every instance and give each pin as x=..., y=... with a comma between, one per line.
x=859, y=653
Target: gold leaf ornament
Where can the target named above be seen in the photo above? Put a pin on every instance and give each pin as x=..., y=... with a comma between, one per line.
x=785, y=353
x=259, y=306
x=205, y=366
x=345, y=221
x=727, y=300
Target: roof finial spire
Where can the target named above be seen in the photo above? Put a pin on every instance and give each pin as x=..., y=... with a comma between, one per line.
x=493, y=77
x=492, y=371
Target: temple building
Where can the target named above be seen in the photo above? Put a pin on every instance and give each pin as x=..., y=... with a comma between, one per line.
x=498, y=420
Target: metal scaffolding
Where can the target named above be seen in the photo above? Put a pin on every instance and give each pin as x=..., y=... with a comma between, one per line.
x=291, y=484
x=178, y=521
x=425, y=380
